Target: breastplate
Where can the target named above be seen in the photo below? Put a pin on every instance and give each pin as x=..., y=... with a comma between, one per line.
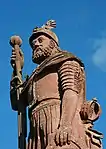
x=44, y=86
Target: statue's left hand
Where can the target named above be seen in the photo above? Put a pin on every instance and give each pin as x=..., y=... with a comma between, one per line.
x=63, y=136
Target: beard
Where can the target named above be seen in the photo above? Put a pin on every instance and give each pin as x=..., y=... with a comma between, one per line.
x=40, y=54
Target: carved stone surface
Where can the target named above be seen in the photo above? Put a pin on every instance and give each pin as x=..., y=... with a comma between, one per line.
x=59, y=114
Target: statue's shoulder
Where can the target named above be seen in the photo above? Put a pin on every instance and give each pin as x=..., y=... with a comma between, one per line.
x=70, y=56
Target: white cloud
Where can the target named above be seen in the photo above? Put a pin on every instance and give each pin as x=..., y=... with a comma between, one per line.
x=99, y=56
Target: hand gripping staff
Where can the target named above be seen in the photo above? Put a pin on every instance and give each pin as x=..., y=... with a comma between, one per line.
x=16, y=42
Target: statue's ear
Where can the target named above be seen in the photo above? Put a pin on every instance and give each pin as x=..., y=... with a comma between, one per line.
x=52, y=44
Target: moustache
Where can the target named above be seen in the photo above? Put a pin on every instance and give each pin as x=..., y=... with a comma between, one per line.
x=37, y=47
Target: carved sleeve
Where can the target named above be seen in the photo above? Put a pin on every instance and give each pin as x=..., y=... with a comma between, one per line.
x=69, y=76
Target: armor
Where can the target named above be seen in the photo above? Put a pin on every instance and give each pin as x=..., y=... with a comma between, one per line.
x=45, y=100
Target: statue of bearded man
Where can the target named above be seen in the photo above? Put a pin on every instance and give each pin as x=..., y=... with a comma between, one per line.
x=54, y=94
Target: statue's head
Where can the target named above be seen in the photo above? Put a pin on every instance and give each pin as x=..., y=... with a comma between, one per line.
x=43, y=42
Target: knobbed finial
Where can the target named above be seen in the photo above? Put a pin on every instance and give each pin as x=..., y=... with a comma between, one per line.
x=15, y=40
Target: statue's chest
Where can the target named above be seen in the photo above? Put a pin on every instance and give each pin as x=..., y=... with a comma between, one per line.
x=44, y=86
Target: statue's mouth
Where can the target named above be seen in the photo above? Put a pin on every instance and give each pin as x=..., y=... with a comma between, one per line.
x=38, y=55
x=39, y=51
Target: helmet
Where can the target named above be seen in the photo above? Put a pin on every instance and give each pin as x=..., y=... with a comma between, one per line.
x=45, y=30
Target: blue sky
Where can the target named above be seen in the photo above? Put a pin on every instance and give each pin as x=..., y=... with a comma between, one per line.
x=81, y=28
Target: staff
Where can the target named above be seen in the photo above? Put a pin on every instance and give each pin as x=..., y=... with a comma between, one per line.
x=16, y=62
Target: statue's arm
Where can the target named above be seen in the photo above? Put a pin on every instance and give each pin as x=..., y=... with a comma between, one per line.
x=69, y=75
x=14, y=93
x=16, y=82
x=13, y=98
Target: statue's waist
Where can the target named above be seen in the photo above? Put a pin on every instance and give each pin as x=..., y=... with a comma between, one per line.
x=44, y=103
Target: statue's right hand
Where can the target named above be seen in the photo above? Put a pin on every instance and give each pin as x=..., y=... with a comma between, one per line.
x=20, y=58
x=13, y=58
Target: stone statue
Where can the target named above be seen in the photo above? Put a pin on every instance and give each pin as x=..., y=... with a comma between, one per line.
x=59, y=114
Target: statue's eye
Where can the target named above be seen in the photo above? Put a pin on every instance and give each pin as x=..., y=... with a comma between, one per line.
x=40, y=40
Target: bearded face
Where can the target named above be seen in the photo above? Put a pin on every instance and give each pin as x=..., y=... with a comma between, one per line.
x=41, y=49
